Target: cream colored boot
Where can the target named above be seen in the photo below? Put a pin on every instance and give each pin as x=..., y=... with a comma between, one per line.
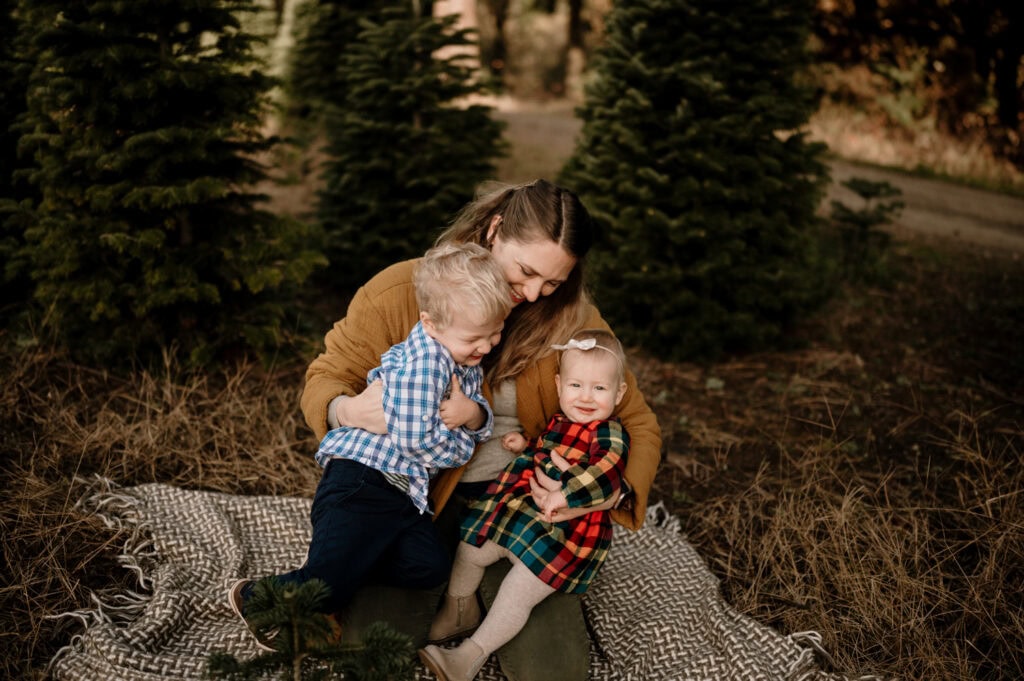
x=459, y=615
x=457, y=664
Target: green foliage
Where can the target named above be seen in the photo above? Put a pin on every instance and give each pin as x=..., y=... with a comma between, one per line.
x=863, y=247
x=905, y=102
x=307, y=644
x=323, y=29
x=15, y=286
x=144, y=130
x=405, y=151
x=692, y=161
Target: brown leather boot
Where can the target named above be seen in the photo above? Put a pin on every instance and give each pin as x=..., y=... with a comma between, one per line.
x=458, y=616
x=456, y=664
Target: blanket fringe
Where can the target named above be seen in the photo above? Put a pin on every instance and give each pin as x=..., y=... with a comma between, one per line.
x=812, y=645
x=658, y=516
x=118, y=511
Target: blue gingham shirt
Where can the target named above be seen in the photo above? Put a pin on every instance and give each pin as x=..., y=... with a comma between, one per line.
x=416, y=375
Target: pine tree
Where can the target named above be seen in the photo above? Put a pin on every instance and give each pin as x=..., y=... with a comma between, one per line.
x=307, y=644
x=404, y=153
x=323, y=29
x=862, y=245
x=15, y=286
x=144, y=126
x=692, y=160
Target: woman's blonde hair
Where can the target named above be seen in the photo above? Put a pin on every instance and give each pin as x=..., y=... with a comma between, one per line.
x=531, y=212
x=456, y=279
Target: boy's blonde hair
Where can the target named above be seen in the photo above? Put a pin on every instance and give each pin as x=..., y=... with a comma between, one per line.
x=452, y=279
x=604, y=341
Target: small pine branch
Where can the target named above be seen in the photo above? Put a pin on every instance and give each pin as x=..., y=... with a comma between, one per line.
x=863, y=245
x=307, y=644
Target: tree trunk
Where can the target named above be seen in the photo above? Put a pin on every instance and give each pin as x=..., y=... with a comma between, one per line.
x=1007, y=67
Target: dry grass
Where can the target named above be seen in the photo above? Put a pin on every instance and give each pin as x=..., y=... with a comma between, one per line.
x=867, y=486
x=238, y=431
x=858, y=135
x=862, y=117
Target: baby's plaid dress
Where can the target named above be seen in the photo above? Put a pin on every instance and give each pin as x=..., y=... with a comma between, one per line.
x=565, y=555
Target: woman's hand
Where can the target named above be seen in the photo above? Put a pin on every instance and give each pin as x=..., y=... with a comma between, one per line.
x=365, y=410
x=458, y=410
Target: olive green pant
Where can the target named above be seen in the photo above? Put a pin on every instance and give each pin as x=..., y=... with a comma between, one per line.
x=556, y=624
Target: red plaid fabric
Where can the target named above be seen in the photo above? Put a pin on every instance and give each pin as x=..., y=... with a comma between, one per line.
x=564, y=555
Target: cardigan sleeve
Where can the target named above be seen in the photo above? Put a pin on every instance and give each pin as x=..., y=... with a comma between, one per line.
x=381, y=313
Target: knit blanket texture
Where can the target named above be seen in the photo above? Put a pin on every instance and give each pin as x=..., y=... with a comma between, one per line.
x=654, y=612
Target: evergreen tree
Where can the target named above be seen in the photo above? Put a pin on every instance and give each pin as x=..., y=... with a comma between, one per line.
x=323, y=29
x=404, y=153
x=863, y=247
x=692, y=161
x=144, y=128
x=15, y=286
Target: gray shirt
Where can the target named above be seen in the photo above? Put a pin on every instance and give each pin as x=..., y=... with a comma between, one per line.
x=490, y=458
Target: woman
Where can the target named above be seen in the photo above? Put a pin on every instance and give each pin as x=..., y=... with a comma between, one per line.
x=539, y=233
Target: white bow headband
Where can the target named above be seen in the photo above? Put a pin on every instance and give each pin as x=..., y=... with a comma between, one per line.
x=587, y=344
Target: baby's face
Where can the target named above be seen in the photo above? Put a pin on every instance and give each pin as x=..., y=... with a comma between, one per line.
x=589, y=385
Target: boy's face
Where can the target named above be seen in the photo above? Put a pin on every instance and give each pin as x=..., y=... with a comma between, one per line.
x=589, y=385
x=467, y=338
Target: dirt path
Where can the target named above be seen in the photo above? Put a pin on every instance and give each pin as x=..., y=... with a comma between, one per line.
x=943, y=209
x=543, y=136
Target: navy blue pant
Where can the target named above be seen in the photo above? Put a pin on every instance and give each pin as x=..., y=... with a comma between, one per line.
x=365, y=531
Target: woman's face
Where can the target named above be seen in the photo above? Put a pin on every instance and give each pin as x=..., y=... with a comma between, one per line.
x=532, y=269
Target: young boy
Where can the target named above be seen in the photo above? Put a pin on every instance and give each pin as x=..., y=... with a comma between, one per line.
x=584, y=448
x=370, y=514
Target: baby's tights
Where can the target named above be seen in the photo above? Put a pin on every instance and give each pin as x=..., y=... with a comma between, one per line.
x=520, y=591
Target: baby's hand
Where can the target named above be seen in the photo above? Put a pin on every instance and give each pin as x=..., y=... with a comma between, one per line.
x=554, y=502
x=513, y=442
x=561, y=463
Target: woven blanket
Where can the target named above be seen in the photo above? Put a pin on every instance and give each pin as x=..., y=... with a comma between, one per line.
x=654, y=612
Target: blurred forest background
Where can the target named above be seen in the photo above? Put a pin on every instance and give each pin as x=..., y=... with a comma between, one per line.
x=190, y=192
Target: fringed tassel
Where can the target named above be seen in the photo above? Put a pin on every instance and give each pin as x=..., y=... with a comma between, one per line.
x=118, y=511
x=805, y=667
x=810, y=641
x=659, y=516
x=806, y=664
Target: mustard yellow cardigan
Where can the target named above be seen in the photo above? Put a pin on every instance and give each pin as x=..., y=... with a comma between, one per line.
x=384, y=311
